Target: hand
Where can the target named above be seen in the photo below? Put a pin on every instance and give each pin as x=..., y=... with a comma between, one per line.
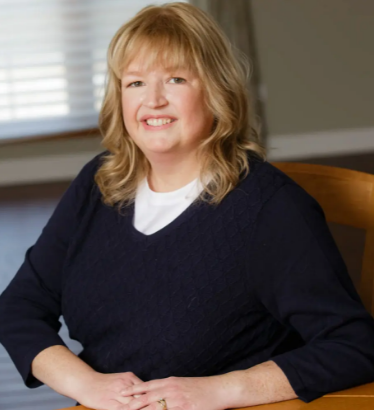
x=180, y=393
x=102, y=391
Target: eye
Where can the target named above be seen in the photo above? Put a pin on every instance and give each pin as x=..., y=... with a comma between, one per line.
x=179, y=78
x=130, y=85
x=182, y=80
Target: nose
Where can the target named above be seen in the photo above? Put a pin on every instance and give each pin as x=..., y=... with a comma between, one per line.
x=154, y=95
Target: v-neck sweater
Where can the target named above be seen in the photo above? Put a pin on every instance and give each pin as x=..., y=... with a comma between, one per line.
x=218, y=289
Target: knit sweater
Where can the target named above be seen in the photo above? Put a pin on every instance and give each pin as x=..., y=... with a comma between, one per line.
x=218, y=289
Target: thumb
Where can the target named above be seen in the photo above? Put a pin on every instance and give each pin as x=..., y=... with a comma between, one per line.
x=138, y=381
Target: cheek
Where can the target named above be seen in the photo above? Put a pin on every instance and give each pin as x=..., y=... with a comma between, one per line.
x=196, y=113
x=194, y=104
x=128, y=111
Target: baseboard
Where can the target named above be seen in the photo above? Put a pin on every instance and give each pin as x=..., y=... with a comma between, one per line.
x=280, y=148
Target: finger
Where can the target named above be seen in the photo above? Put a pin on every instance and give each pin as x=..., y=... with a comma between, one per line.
x=122, y=400
x=154, y=406
x=142, y=388
x=150, y=399
x=127, y=400
x=136, y=379
x=138, y=403
x=132, y=377
x=158, y=406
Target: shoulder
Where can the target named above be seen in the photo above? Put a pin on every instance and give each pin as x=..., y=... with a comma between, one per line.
x=83, y=186
x=87, y=173
x=84, y=183
x=278, y=194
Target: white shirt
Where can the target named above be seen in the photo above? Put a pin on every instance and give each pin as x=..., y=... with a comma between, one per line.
x=154, y=210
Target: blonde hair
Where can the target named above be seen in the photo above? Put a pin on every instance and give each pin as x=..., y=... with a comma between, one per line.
x=180, y=35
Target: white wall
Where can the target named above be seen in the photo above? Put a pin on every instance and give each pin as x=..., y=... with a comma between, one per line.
x=316, y=61
x=45, y=161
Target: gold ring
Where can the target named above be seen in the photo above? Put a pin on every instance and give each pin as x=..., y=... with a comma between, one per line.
x=163, y=404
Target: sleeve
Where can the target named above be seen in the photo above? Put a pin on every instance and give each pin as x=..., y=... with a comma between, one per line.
x=30, y=306
x=302, y=281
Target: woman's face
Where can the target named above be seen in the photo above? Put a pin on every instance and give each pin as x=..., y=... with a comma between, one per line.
x=161, y=92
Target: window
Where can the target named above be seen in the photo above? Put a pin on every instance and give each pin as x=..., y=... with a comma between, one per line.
x=53, y=62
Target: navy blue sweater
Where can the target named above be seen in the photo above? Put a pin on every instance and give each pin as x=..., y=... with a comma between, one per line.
x=218, y=289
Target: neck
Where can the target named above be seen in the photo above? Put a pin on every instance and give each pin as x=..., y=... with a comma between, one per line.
x=167, y=176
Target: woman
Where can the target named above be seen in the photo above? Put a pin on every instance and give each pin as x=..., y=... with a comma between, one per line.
x=194, y=273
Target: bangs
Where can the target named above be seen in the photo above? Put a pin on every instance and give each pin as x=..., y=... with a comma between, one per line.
x=167, y=49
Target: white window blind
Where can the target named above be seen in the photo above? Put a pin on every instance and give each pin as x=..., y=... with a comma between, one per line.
x=53, y=62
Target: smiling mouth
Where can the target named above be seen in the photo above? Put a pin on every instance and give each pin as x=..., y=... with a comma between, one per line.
x=160, y=125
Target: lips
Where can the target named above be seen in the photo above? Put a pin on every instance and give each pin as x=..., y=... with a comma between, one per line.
x=147, y=117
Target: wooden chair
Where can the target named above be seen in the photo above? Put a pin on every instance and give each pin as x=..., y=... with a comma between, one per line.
x=347, y=198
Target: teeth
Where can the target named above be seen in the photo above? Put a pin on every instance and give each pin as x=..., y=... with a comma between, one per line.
x=158, y=122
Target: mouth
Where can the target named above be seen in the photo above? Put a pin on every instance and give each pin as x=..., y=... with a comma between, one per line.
x=157, y=127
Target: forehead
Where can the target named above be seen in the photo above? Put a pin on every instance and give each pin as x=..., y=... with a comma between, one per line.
x=149, y=58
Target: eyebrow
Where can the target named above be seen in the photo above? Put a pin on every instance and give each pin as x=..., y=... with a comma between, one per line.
x=167, y=69
x=132, y=73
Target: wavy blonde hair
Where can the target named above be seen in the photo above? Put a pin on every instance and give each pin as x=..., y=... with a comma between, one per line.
x=180, y=35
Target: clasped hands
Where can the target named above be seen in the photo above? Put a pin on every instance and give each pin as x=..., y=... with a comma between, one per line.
x=125, y=391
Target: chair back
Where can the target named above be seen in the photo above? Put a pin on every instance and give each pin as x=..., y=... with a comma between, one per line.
x=347, y=198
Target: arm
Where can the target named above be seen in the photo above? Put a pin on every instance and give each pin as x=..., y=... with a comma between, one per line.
x=70, y=376
x=302, y=281
x=62, y=370
x=261, y=384
x=30, y=307
x=264, y=383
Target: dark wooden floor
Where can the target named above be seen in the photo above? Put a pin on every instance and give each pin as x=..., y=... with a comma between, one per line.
x=24, y=210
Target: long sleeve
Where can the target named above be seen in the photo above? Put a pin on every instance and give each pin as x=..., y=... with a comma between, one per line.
x=30, y=306
x=302, y=281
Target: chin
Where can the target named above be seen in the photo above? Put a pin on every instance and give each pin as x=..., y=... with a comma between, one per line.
x=156, y=151
x=159, y=147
